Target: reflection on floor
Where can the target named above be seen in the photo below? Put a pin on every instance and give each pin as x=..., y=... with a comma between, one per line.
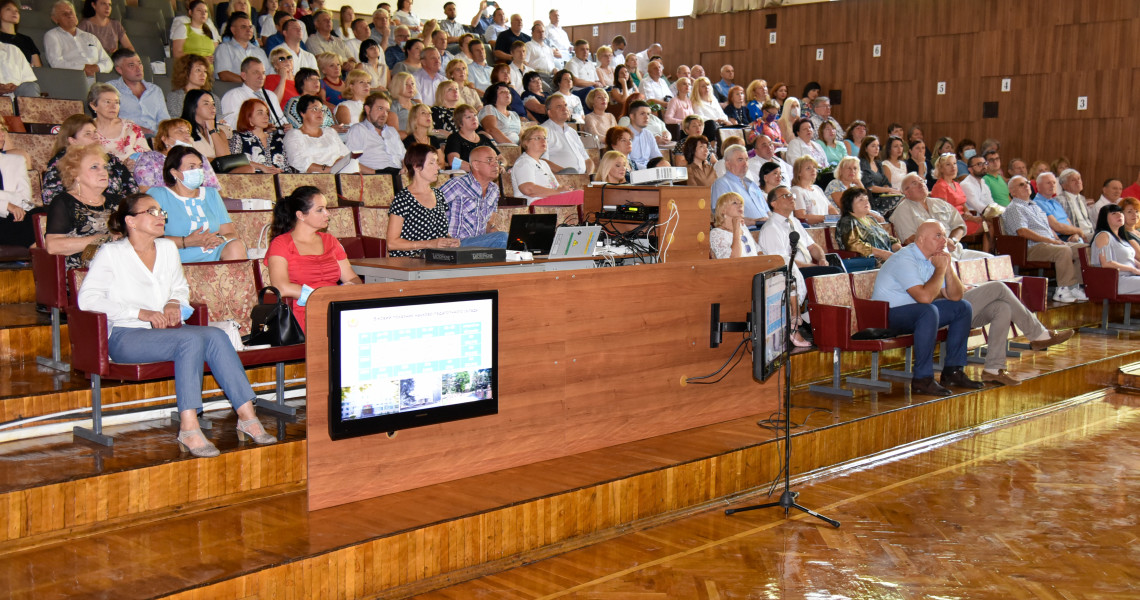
x=1041, y=508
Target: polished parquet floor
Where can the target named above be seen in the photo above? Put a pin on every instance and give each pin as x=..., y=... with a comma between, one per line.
x=1044, y=507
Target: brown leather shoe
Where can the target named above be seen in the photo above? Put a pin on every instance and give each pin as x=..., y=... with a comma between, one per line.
x=928, y=387
x=1055, y=337
x=1001, y=378
x=956, y=377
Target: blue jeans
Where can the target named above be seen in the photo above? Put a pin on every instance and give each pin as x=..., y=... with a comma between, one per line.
x=924, y=321
x=189, y=346
x=854, y=265
x=497, y=239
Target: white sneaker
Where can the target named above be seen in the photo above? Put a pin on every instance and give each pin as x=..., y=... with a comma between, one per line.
x=1078, y=293
x=1064, y=295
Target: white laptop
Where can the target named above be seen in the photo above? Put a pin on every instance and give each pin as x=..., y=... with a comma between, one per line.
x=575, y=241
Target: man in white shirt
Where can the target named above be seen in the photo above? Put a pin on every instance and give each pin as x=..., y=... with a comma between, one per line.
x=68, y=47
x=323, y=40
x=766, y=153
x=774, y=239
x=15, y=199
x=654, y=86
x=539, y=56
x=556, y=37
x=978, y=194
x=380, y=145
x=360, y=32
x=645, y=56
x=1109, y=194
x=478, y=71
x=291, y=32
x=1074, y=203
x=139, y=100
x=518, y=67
x=564, y=149
x=497, y=26
x=585, y=72
x=429, y=76
x=644, y=144
x=229, y=56
x=253, y=78
x=16, y=73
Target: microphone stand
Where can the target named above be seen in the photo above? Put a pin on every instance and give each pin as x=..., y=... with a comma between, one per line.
x=787, y=499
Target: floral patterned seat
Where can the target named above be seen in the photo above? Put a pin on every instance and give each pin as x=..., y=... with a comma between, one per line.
x=249, y=224
x=259, y=186
x=342, y=224
x=370, y=190
x=501, y=220
x=326, y=182
x=38, y=146
x=373, y=229
x=51, y=111
x=510, y=153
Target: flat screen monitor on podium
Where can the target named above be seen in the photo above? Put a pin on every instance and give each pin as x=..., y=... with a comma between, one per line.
x=396, y=363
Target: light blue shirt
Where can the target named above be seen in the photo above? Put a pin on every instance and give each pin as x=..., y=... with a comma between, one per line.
x=480, y=76
x=229, y=56
x=902, y=271
x=186, y=215
x=1052, y=208
x=644, y=148
x=755, y=201
x=147, y=111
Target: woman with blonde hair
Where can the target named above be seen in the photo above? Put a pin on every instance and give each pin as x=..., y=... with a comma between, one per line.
x=402, y=89
x=121, y=137
x=680, y=106
x=612, y=168
x=847, y=175
x=443, y=113
x=148, y=169
x=347, y=16
x=80, y=130
x=328, y=65
x=729, y=237
x=811, y=204
x=457, y=72
x=598, y=120
x=420, y=130
x=77, y=217
x=788, y=117
x=705, y=103
x=757, y=95
x=605, y=69
x=357, y=86
x=531, y=176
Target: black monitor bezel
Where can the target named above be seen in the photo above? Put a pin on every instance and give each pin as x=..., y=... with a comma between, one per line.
x=339, y=429
x=762, y=369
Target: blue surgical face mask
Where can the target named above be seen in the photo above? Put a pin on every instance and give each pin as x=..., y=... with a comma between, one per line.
x=193, y=178
x=969, y=153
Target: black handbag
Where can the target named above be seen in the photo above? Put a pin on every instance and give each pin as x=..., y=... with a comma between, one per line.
x=229, y=162
x=273, y=324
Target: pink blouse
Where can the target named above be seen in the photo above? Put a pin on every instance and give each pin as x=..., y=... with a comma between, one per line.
x=678, y=109
x=131, y=140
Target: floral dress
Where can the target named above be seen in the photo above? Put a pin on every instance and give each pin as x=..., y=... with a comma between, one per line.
x=68, y=216
x=120, y=185
x=148, y=171
x=131, y=139
x=249, y=144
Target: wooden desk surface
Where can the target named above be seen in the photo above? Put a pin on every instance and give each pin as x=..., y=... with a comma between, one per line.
x=404, y=263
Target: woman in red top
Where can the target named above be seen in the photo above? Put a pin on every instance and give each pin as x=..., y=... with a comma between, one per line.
x=301, y=257
x=946, y=168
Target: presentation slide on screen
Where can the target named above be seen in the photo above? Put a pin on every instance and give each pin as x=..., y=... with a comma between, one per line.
x=408, y=358
x=774, y=319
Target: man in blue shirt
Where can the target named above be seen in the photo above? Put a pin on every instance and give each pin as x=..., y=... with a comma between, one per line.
x=1046, y=200
x=644, y=144
x=139, y=101
x=734, y=180
x=925, y=294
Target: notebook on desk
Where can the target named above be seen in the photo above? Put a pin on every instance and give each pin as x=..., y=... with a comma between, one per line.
x=532, y=233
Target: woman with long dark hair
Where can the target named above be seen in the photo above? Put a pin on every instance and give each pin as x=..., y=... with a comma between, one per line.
x=1110, y=249
x=206, y=135
x=301, y=256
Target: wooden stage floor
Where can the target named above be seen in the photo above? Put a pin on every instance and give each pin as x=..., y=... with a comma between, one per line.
x=407, y=543
x=1040, y=508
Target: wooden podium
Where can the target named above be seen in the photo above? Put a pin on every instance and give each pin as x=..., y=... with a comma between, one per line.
x=689, y=241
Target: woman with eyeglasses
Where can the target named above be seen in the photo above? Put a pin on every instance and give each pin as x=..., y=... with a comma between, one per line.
x=139, y=284
x=314, y=147
x=531, y=176
x=199, y=224
x=77, y=217
x=281, y=82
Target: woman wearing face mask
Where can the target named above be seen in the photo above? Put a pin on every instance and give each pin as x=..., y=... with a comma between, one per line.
x=768, y=125
x=149, y=166
x=80, y=130
x=197, y=220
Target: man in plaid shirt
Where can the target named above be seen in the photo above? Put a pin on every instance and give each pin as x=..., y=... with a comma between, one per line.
x=471, y=201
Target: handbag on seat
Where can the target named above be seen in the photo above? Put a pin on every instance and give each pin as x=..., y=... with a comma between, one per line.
x=273, y=324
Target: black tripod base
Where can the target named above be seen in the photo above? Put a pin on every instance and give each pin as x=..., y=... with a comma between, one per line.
x=787, y=502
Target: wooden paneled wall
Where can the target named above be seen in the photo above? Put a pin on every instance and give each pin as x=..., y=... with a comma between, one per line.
x=1051, y=50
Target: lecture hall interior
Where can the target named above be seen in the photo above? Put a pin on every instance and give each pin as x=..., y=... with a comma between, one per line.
x=598, y=413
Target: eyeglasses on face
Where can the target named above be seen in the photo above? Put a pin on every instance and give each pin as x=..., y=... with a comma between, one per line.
x=154, y=212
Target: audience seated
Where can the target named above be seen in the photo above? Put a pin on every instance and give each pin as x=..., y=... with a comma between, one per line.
x=853, y=138
x=140, y=101
x=613, y=169
x=138, y=283
x=323, y=41
x=531, y=175
x=565, y=152
x=811, y=204
x=999, y=190
x=766, y=153
x=262, y=144
x=951, y=191
x=654, y=85
x=429, y=76
x=372, y=63
x=206, y=136
x=149, y=167
x=377, y=141
x=925, y=294
x=788, y=117
x=505, y=39
x=461, y=143
x=859, y=232
x=680, y=106
x=79, y=130
x=314, y=147
x=302, y=257
x=501, y=73
x=619, y=139
x=468, y=94
x=68, y=47
x=9, y=19
x=1076, y=206
x=120, y=137
x=697, y=160
x=332, y=86
x=420, y=130
x=705, y=103
x=497, y=119
x=563, y=83
x=198, y=222
x=195, y=37
x=417, y=218
x=357, y=85
x=191, y=72
x=77, y=217
x=16, y=73
x=517, y=68
x=894, y=161
x=1109, y=249
x=16, y=204
x=402, y=90
x=1110, y=193
x=1049, y=202
x=769, y=176
x=644, y=143
x=804, y=144
x=734, y=180
x=919, y=207
x=692, y=126
x=291, y=42
x=833, y=148
x=654, y=125
x=443, y=111
x=308, y=82
x=583, y=70
x=1025, y=218
x=540, y=56
x=729, y=236
x=253, y=82
x=413, y=55
x=472, y=200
